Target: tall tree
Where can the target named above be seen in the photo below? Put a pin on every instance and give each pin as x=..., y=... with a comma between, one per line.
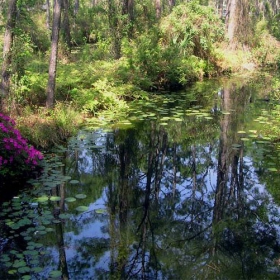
x=54, y=52
x=76, y=7
x=171, y=4
x=220, y=7
x=238, y=21
x=48, y=20
x=65, y=28
x=158, y=8
x=7, y=49
x=128, y=11
x=114, y=24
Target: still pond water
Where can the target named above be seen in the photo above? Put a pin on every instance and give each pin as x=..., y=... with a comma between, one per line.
x=185, y=188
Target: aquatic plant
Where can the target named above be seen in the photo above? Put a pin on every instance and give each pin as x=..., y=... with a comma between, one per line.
x=17, y=157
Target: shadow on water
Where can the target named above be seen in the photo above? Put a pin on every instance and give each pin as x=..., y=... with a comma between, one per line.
x=175, y=192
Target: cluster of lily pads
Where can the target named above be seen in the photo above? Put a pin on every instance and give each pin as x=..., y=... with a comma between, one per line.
x=157, y=108
x=262, y=146
x=30, y=216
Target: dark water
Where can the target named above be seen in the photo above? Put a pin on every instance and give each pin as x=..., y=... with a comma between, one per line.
x=186, y=189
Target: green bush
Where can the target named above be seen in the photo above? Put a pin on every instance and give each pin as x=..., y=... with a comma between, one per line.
x=193, y=28
x=178, y=51
x=103, y=95
x=266, y=47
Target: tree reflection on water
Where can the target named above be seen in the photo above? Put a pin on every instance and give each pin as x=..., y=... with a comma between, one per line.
x=182, y=201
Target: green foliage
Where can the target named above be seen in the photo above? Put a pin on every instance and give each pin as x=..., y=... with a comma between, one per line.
x=275, y=94
x=193, y=28
x=266, y=47
x=46, y=130
x=93, y=21
x=179, y=51
x=28, y=84
x=22, y=52
x=32, y=21
x=102, y=49
x=144, y=56
x=274, y=26
x=29, y=89
x=102, y=96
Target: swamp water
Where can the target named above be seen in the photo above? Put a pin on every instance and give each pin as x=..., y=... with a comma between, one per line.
x=185, y=188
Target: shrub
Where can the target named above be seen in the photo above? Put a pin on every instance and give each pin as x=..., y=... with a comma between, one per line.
x=180, y=50
x=194, y=29
x=266, y=49
x=17, y=158
x=102, y=96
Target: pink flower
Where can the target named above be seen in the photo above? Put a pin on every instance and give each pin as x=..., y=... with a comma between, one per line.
x=14, y=149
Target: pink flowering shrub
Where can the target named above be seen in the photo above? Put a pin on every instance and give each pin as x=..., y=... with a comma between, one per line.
x=17, y=158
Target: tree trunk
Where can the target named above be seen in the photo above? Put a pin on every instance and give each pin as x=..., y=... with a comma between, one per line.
x=239, y=22
x=76, y=7
x=65, y=28
x=158, y=8
x=128, y=9
x=231, y=20
x=7, y=49
x=48, y=17
x=114, y=28
x=53, y=55
x=171, y=4
x=275, y=6
x=220, y=8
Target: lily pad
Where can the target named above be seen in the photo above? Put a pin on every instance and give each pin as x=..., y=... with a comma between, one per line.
x=66, y=178
x=272, y=169
x=37, y=269
x=49, y=230
x=100, y=211
x=12, y=271
x=70, y=199
x=27, y=238
x=24, y=269
x=19, y=263
x=82, y=208
x=64, y=216
x=42, y=199
x=55, y=273
x=80, y=196
x=74, y=182
x=55, y=198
